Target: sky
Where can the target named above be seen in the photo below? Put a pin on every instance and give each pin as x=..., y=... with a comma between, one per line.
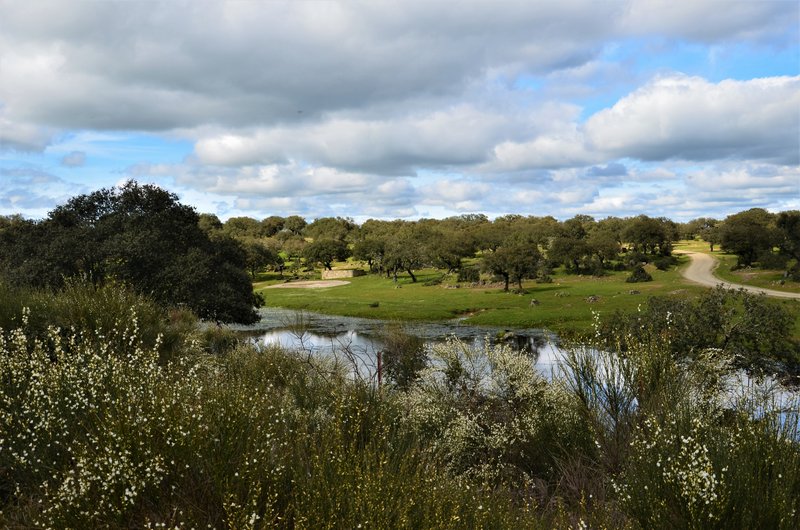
x=409, y=109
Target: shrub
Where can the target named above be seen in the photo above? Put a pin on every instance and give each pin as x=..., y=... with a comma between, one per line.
x=489, y=415
x=773, y=260
x=469, y=274
x=663, y=263
x=638, y=274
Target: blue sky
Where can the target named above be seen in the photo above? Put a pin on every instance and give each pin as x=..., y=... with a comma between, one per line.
x=405, y=110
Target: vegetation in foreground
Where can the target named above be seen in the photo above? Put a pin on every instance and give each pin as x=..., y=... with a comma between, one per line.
x=104, y=424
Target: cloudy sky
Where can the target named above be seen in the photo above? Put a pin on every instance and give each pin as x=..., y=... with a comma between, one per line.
x=405, y=109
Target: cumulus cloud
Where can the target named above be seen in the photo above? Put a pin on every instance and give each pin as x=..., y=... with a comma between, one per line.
x=690, y=118
x=22, y=136
x=381, y=109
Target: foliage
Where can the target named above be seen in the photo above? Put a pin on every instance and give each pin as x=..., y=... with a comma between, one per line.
x=98, y=430
x=254, y=438
x=469, y=274
x=326, y=251
x=137, y=235
x=515, y=260
x=748, y=234
x=404, y=356
x=747, y=329
x=489, y=415
x=638, y=274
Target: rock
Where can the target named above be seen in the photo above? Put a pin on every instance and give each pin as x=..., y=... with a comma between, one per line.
x=634, y=291
x=592, y=299
x=534, y=302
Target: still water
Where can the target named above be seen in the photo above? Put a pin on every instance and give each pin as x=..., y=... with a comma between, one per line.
x=331, y=334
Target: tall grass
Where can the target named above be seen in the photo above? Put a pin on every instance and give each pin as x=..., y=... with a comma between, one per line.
x=99, y=428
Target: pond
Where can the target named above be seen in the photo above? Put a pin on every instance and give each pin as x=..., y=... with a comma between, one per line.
x=316, y=333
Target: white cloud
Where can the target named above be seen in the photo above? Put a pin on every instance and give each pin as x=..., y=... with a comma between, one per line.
x=690, y=118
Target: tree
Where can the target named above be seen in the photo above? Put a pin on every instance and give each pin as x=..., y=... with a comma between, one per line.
x=259, y=255
x=326, y=251
x=337, y=228
x=272, y=225
x=243, y=227
x=515, y=260
x=650, y=235
x=748, y=234
x=569, y=252
x=370, y=249
x=142, y=236
x=603, y=244
x=404, y=249
x=788, y=224
x=209, y=223
x=295, y=224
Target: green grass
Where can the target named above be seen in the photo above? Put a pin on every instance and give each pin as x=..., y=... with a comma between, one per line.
x=563, y=304
x=766, y=279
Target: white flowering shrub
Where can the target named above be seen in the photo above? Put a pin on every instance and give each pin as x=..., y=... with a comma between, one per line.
x=489, y=414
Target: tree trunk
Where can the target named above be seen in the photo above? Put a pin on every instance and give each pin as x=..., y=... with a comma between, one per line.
x=506, y=278
x=413, y=278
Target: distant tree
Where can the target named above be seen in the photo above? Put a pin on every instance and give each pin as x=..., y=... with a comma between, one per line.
x=338, y=228
x=650, y=235
x=569, y=252
x=788, y=224
x=446, y=248
x=326, y=251
x=295, y=224
x=243, y=227
x=603, y=244
x=370, y=249
x=209, y=223
x=272, y=225
x=578, y=227
x=515, y=260
x=405, y=250
x=748, y=234
x=260, y=255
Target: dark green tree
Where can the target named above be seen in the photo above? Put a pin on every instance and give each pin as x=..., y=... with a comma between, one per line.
x=748, y=234
x=338, y=228
x=325, y=252
x=515, y=260
x=139, y=235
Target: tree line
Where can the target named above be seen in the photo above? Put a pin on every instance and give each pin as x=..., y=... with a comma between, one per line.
x=511, y=247
x=143, y=237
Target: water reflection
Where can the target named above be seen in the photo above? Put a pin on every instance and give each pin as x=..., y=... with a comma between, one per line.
x=362, y=338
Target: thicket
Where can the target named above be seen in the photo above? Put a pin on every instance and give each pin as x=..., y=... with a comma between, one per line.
x=99, y=428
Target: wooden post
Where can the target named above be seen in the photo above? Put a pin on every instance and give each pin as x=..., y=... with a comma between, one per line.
x=380, y=367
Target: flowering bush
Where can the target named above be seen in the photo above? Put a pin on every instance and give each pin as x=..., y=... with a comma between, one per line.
x=489, y=414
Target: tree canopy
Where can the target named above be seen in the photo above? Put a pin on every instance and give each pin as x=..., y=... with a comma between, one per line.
x=138, y=235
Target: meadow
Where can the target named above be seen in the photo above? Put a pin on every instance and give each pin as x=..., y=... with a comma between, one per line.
x=569, y=305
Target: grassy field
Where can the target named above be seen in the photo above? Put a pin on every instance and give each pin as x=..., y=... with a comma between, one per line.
x=568, y=304
x=563, y=305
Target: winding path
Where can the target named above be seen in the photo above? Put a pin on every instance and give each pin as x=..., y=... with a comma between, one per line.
x=701, y=271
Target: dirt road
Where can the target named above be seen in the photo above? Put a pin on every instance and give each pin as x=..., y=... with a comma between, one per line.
x=701, y=270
